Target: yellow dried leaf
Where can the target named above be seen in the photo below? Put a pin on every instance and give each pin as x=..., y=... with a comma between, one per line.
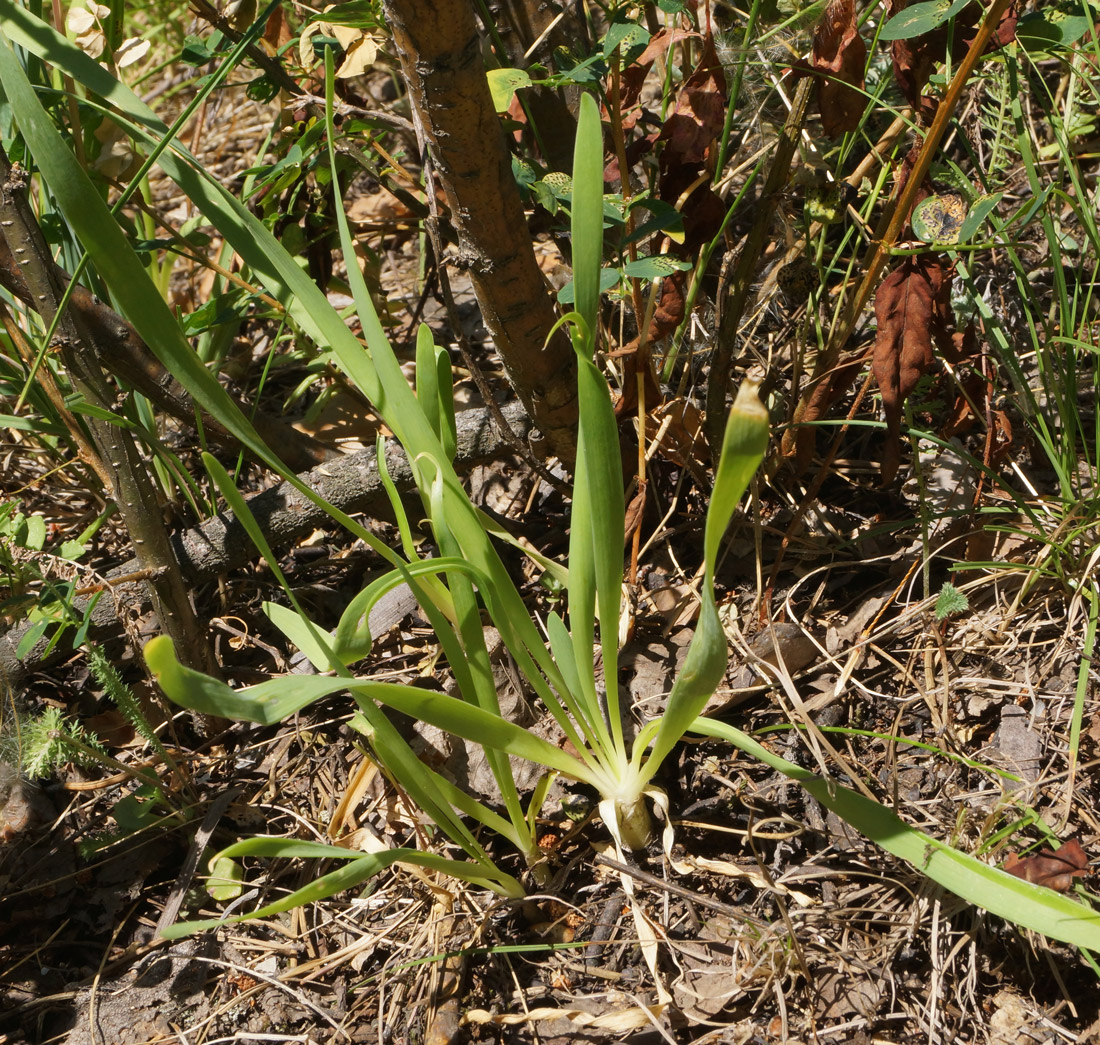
x=80, y=20
x=93, y=43
x=132, y=50
x=359, y=59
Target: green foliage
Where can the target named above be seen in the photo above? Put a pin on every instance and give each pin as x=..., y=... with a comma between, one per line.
x=1030, y=906
x=918, y=19
x=466, y=580
x=950, y=601
x=50, y=739
x=1056, y=26
x=32, y=592
x=105, y=673
x=568, y=682
x=224, y=881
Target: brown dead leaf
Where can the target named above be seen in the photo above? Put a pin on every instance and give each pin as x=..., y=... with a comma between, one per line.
x=1053, y=869
x=916, y=58
x=690, y=133
x=678, y=425
x=961, y=418
x=818, y=402
x=634, y=512
x=901, y=178
x=637, y=364
x=699, y=114
x=911, y=306
x=113, y=729
x=633, y=77
x=277, y=33
x=839, y=57
x=670, y=306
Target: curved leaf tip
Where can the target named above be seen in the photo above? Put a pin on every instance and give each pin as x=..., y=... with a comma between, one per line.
x=160, y=655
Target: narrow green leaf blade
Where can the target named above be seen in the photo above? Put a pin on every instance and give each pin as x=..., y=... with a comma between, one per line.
x=743, y=447
x=1011, y=898
x=587, y=213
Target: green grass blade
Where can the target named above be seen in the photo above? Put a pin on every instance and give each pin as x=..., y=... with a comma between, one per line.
x=435, y=390
x=476, y=658
x=359, y=868
x=427, y=390
x=431, y=791
x=596, y=538
x=115, y=261
x=135, y=293
x=375, y=370
x=352, y=639
x=272, y=701
x=743, y=448
x=1009, y=897
x=310, y=639
x=587, y=214
x=401, y=516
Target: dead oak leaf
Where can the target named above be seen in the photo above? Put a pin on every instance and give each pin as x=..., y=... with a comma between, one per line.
x=689, y=139
x=1053, y=869
x=839, y=57
x=911, y=306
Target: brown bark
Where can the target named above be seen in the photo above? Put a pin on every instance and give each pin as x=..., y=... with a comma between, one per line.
x=440, y=54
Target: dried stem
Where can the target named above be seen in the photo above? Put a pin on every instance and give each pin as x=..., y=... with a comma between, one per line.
x=133, y=490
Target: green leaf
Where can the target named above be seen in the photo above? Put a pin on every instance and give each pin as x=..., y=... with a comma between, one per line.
x=920, y=19
x=224, y=881
x=979, y=211
x=743, y=447
x=1047, y=29
x=276, y=699
x=597, y=524
x=34, y=538
x=1017, y=901
x=664, y=217
x=303, y=633
x=610, y=278
x=627, y=35
x=503, y=84
x=14, y=423
x=655, y=266
x=359, y=14
x=939, y=219
x=587, y=215
x=31, y=637
x=139, y=810
x=950, y=601
x=435, y=390
x=359, y=868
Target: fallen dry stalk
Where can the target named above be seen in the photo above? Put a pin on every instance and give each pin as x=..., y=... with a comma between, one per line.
x=351, y=483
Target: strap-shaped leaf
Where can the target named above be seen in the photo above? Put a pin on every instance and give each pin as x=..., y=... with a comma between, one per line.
x=359, y=868
x=274, y=700
x=1014, y=899
x=743, y=448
